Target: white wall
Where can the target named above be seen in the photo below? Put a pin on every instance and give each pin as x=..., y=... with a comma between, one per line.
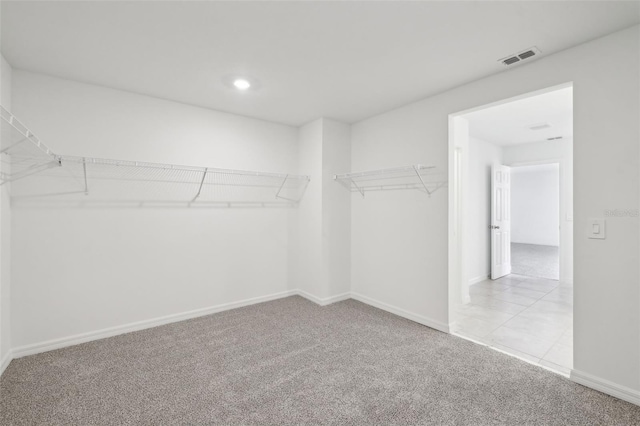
x=399, y=239
x=482, y=155
x=323, y=247
x=560, y=151
x=5, y=232
x=535, y=205
x=336, y=207
x=78, y=270
x=308, y=268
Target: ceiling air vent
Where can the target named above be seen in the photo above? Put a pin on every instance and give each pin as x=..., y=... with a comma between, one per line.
x=521, y=56
x=527, y=54
x=539, y=126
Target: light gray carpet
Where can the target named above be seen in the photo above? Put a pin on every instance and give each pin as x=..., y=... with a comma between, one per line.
x=535, y=260
x=290, y=362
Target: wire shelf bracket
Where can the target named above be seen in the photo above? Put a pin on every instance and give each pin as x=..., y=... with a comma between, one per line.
x=427, y=179
x=204, y=176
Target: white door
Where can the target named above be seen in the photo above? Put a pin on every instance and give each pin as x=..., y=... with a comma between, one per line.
x=500, y=221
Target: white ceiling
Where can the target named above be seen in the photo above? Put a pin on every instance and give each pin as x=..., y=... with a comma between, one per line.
x=509, y=123
x=342, y=60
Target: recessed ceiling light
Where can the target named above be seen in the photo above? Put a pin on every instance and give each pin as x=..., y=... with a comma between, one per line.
x=241, y=84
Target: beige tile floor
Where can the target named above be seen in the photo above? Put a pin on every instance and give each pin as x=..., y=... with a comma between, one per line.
x=531, y=318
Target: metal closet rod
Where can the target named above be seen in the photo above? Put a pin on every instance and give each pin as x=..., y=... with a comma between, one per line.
x=176, y=167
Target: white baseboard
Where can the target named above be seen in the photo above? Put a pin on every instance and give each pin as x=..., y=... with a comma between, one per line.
x=337, y=298
x=63, y=342
x=77, y=339
x=478, y=279
x=323, y=301
x=605, y=386
x=402, y=313
x=466, y=298
x=4, y=363
x=602, y=385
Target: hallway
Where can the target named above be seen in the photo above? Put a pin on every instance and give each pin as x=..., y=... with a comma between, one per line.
x=531, y=318
x=534, y=260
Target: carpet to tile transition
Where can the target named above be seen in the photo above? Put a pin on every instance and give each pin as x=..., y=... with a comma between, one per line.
x=290, y=362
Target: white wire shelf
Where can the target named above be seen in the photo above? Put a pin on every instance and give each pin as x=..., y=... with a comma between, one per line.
x=24, y=153
x=418, y=177
x=38, y=175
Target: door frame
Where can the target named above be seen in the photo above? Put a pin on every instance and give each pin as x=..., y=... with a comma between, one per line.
x=458, y=282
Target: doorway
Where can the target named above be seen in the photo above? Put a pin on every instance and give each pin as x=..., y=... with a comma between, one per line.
x=511, y=233
x=535, y=220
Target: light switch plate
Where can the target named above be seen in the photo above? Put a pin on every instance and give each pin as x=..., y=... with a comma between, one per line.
x=596, y=229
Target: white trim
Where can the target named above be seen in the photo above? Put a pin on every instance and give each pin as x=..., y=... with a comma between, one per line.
x=323, y=301
x=457, y=235
x=593, y=382
x=77, y=339
x=338, y=298
x=478, y=279
x=429, y=322
x=511, y=354
x=63, y=342
x=515, y=98
x=605, y=386
x=5, y=361
x=466, y=298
